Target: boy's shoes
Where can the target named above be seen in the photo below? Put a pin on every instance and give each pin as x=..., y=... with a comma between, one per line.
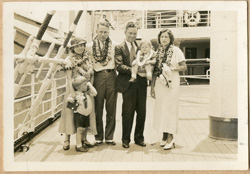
x=132, y=80
x=81, y=149
x=87, y=144
x=110, y=142
x=97, y=143
x=66, y=145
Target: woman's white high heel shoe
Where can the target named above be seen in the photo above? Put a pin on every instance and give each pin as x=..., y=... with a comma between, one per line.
x=169, y=145
x=163, y=143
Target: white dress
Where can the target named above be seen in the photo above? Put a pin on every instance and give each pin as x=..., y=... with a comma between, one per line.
x=165, y=116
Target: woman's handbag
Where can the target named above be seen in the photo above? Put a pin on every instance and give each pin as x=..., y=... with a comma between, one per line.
x=166, y=75
x=164, y=80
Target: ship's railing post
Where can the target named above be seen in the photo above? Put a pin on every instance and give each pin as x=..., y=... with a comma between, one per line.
x=53, y=97
x=32, y=125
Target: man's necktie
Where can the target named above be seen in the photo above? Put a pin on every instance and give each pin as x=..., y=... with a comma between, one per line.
x=103, y=45
x=132, y=53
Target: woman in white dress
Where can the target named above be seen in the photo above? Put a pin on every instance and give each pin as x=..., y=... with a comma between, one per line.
x=165, y=87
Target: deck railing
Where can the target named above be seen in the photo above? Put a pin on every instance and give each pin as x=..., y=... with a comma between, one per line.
x=44, y=103
x=49, y=107
x=176, y=19
x=200, y=63
x=151, y=19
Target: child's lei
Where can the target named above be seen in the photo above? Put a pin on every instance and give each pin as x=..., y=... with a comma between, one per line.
x=142, y=58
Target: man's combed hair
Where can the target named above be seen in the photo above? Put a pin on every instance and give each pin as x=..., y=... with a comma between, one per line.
x=103, y=23
x=131, y=24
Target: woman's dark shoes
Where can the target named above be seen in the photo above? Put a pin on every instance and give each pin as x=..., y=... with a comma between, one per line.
x=141, y=144
x=110, y=142
x=124, y=145
x=87, y=144
x=66, y=145
x=81, y=149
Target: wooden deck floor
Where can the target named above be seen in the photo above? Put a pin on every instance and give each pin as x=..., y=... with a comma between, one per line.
x=193, y=143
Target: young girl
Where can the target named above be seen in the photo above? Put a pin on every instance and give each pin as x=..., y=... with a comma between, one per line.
x=77, y=63
x=143, y=64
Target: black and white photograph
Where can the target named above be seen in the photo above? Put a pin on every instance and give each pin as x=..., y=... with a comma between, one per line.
x=116, y=85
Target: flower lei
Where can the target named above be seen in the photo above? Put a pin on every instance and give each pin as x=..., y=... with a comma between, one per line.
x=142, y=58
x=163, y=56
x=103, y=56
x=80, y=63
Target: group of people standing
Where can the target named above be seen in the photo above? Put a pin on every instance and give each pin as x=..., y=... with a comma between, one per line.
x=97, y=71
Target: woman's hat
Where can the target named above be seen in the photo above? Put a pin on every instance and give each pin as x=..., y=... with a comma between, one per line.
x=77, y=41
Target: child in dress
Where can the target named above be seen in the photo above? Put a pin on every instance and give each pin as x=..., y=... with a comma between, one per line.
x=144, y=61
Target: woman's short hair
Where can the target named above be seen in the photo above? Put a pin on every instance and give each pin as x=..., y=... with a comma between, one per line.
x=130, y=24
x=103, y=23
x=171, y=36
x=144, y=41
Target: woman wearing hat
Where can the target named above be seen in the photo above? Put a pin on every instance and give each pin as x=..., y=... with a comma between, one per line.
x=78, y=63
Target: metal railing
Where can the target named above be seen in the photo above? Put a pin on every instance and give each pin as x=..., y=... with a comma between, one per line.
x=150, y=19
x=47, y=101
x=50, y=105
x=197, y=63
x=176, y=19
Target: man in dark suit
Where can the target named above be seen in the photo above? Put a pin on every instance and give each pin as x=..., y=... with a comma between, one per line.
x=134, y=94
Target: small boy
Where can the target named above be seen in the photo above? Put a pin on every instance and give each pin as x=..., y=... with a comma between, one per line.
x=143, y=64
x=82, y=107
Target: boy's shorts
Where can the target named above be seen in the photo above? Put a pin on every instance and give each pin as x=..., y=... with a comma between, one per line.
x=81, y=120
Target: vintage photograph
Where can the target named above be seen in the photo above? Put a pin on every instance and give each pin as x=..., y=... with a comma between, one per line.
x=125, y=86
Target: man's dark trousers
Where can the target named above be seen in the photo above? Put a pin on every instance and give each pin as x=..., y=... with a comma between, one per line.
x=134, y=100
x=104, y=82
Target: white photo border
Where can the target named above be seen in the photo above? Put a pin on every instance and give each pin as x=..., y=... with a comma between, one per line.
x=8, y=86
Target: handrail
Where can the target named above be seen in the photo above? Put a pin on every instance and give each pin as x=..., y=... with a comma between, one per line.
x=39, y=104
x=176, y=19
x=22, y=112
x=198, y=60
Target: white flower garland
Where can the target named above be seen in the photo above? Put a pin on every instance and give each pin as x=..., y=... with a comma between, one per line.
x=145, y=58
x=102, y=59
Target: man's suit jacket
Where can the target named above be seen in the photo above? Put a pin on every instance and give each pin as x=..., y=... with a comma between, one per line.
x=122, y=63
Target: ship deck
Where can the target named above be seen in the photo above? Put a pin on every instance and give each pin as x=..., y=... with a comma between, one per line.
x=192, y=140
